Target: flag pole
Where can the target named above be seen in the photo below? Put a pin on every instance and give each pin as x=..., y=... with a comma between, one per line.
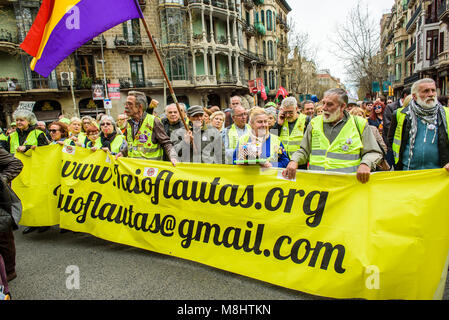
x=175, y=100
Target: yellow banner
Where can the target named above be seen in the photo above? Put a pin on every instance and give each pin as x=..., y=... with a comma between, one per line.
x=327, y=235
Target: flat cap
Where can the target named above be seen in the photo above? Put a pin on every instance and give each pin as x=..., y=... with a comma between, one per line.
x=194, y=110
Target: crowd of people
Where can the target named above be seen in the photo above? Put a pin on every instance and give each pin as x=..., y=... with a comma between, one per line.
x=331, y=135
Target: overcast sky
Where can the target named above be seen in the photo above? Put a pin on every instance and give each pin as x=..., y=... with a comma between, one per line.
x=319, y=19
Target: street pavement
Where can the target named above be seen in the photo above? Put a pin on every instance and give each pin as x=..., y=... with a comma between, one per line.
x=46, y=263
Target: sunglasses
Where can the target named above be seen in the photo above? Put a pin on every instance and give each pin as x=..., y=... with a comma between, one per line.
x=377, y=107
x=53, y=131
x=106, y=124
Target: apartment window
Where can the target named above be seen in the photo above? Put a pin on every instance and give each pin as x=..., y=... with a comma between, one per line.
x=137, y=71
x=272, y=81
x=176, y=65
x=269, y=20
x=262, y=17
x=432, y=44
x=270, y=50
x=398, y=71
x=131, y=31
x=441, y=42
x=172, y=26
x=419, y=48
x=86, y=66
x=264, y=49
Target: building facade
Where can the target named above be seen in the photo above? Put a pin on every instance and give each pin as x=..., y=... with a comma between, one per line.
x=414, y=37
x=210, y=49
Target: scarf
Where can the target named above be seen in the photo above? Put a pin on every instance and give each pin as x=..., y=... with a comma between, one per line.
x=107, y=140
x=429, y=116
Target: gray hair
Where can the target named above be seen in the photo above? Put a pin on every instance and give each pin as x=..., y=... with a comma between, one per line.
x=289, y=101
x=416, y=85
x=181, y=105
x=141, y=99
x=233, y=110
x=105, y=118
x=25, y=114
x=342, y=95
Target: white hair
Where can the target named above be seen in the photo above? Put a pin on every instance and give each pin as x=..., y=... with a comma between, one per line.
x=289, y=101
x=25, y=114
x=416, y=85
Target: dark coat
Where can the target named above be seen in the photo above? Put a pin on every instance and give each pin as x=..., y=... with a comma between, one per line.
x=10, y=205
x=443, y=140
x=388, y=114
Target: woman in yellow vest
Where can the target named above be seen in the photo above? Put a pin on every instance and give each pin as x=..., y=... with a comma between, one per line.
x=259, y=146
x=59, y=134
x=26, y=136
x=110, y=139
x=75, y=131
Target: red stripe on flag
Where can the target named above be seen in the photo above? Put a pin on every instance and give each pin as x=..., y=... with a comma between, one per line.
x=33, y=40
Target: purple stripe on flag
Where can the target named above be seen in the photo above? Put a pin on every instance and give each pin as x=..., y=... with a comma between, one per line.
x=95, y=17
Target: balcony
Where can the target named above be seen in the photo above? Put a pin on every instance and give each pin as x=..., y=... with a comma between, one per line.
x=135, y=45
x=410, y=51
x=130, y=83
x=443, y=12
x=411, y=79
x=443, y=59
x=226, y=79
x=8, y=41
x=249, y=4
x=411, y=24
x=249, y=29
x=205, y=80
x=12, y=85
x=220, y=4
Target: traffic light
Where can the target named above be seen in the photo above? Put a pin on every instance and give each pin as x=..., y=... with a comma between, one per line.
x=390, y=91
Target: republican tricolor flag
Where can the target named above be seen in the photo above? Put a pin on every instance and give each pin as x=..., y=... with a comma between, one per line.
x=62, y=26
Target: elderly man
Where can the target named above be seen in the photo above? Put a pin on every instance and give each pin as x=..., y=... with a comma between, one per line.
x=172, y=120
x=199, y=145
x=291, y=125
x=419, y=132
x=122, y=122
x=337, y=141
x=145, y=134
x=234, y=132
x=236, y=101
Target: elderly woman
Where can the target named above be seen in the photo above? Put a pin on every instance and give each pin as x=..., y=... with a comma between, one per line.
x=75, y=131
x=59, y=133
x=92, y=133
x=110, y=139
x=217, y=119
x=258, y=146
x=26, y=136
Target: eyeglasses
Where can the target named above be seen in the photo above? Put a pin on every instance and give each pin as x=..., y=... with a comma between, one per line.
x=290, y=112
x=106, y=124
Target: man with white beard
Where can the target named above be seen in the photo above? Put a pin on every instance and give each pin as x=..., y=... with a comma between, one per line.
x=337, y=141
x=419, y=132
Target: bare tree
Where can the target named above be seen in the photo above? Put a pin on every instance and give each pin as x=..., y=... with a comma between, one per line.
x=302, y=58
x=357, y=44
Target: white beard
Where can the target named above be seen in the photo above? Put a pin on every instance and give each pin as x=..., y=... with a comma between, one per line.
x=332, y=117
x=426, y=105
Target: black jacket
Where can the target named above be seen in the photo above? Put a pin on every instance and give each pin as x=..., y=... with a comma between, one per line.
x=443, y=140
x=10, y=206
x=388, y=114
